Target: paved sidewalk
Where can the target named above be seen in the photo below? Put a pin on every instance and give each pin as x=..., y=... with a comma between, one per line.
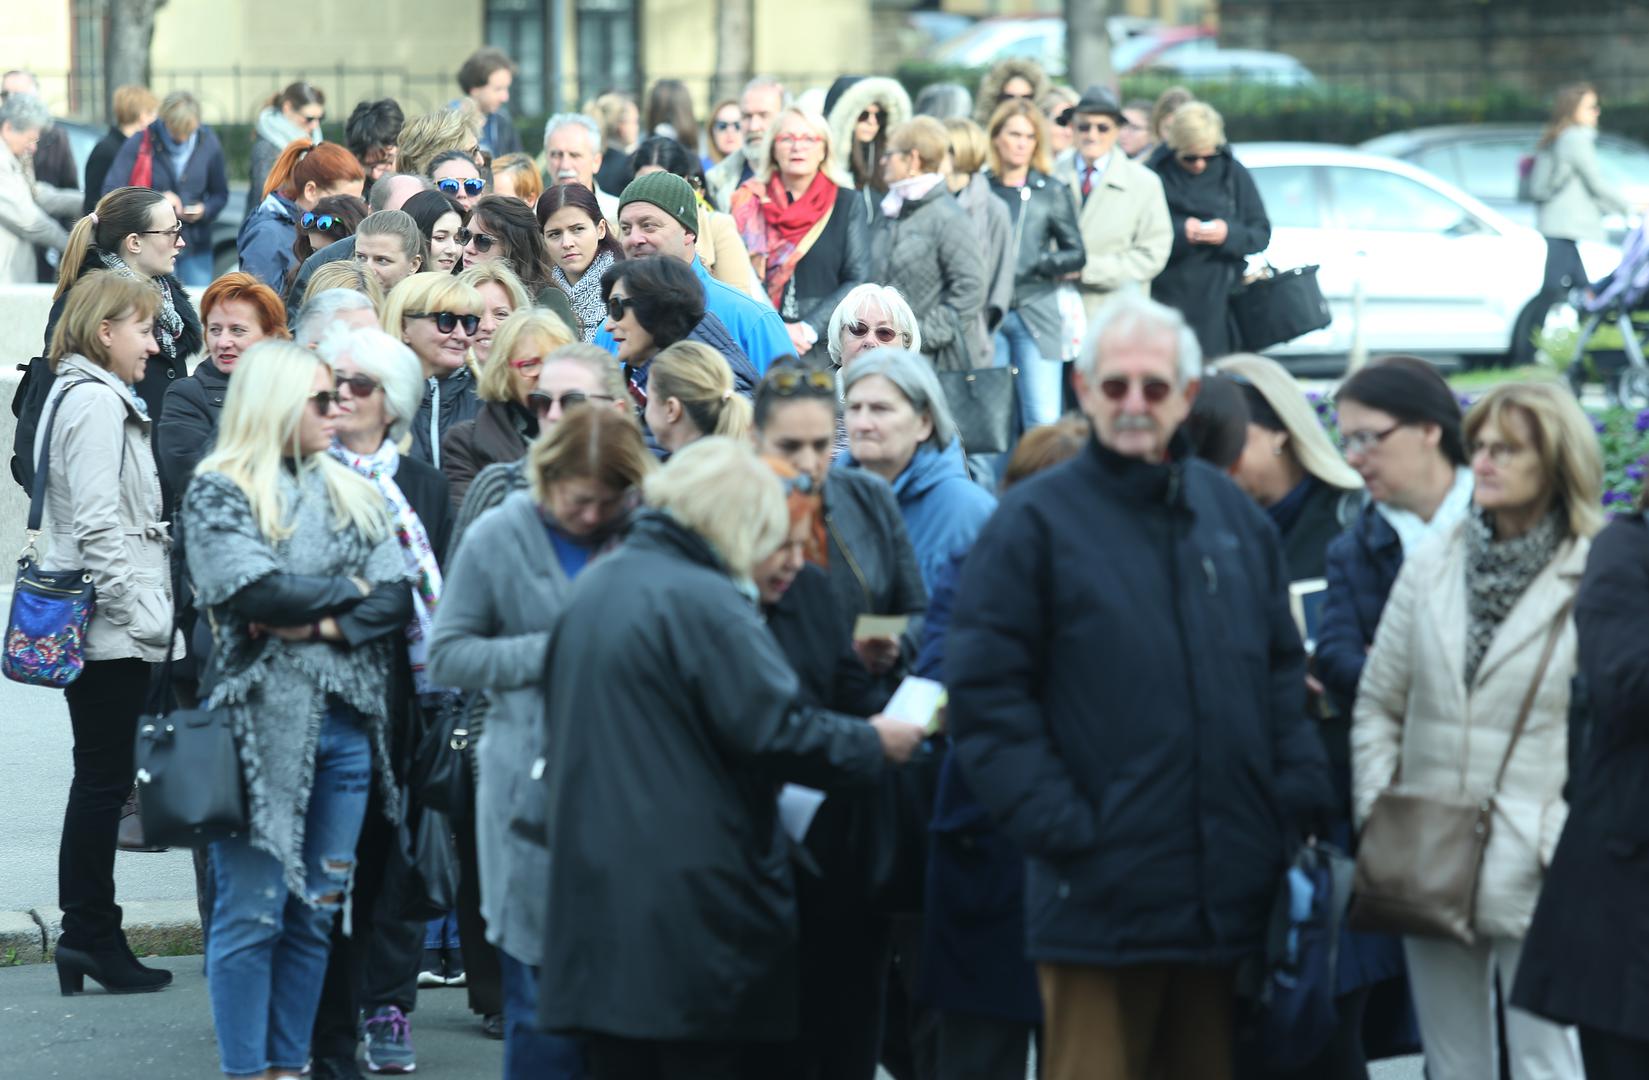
x=44, y=1036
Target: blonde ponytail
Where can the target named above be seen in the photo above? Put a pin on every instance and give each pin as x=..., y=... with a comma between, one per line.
x=701, y=379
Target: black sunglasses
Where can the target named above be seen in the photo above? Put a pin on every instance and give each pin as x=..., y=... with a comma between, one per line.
x=617, y=306
x=472, y=186
x=787, y=381
x=448, y=321
x=1104, y=127
x=483, y=242
x=885, y=334
x=359, y=385
x=323, y=401
x=1192, y=159
x=542, y=403
x=871, y=114
x=726, y=125
x=320, y=222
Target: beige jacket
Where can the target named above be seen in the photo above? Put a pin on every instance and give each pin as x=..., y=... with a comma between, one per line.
x=1412, y=702
x=103, y=513
x=1125, y=228
x=721, y=249
x=24, y=222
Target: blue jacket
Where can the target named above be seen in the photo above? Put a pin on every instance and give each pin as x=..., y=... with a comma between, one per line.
x=204, y=179
x=1362, y=564
x=757, y=328
x=266, y=241
x=498, y=134
x=943, y=509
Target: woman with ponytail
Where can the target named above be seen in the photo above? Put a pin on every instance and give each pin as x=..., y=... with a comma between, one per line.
x=302, y=176
x=690, y=395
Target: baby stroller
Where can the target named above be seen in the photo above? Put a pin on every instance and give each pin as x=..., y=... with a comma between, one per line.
x=1615, y=300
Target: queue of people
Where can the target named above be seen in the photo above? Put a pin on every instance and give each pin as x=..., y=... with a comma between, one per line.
x=649, y=503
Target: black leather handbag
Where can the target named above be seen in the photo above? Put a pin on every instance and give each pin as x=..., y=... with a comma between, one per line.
x=984, y=406
x=190, y=787
x=441, y=773
x=1279, y=307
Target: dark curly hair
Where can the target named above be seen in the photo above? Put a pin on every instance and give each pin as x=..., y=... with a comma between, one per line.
x=664, y=293
x=517, y=231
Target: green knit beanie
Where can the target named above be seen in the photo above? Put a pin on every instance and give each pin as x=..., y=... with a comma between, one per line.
x=669, y=193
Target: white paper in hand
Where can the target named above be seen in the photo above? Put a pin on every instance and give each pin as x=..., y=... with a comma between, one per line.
x=917, y=701
x=797, y=805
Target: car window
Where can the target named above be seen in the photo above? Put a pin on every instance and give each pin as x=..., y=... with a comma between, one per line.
x=1385, y=202
x=1439, y=161
x=1622, y=164
x=1289, y=193
x=1488, y=167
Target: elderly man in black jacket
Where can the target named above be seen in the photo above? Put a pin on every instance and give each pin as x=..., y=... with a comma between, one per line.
x=1127, y=701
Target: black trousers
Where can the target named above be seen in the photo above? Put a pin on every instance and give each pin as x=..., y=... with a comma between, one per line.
x=104, y=704
x=985, y=1048
x=1613, y=1057
x=644, y=1059
x=483, y=974
x=844, y=956
x=1564, y=270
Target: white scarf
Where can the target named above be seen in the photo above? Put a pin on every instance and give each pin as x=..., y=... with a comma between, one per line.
x=1411, y=530
x=902, y=191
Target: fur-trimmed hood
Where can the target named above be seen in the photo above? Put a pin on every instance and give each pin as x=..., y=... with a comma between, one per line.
x=851, y=100
x=984, y=103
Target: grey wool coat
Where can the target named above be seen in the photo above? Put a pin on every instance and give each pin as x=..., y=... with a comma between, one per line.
x=929, y=254
x=1581, y=195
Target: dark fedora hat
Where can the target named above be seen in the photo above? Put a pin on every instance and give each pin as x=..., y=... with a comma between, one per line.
x=1097, y=101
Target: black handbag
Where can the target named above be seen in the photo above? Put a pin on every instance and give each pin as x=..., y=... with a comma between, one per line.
x=1279, y=307
x=190, y=788
x=440, y=776
x=984, y=405
x=429, y=871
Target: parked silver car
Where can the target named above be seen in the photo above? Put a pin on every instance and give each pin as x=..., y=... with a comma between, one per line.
x=1440, y=273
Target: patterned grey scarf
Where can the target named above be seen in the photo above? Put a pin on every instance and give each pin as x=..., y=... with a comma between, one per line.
x=168, y=324
x=1497, y=573
x=585, y=297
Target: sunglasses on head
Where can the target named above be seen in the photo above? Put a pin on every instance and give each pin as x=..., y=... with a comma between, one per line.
x=472, y=186
x=887, y=335
x=448, y=321
x=323, y=401
x=1155, y=391
x=787, y=381
x=1192, y=159
x=359, y=385
x=483, y=242
x=542, y=403
x=617, y=306
x=320, y=222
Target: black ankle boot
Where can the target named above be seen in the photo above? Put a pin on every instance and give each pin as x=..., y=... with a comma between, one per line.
x=115, y=968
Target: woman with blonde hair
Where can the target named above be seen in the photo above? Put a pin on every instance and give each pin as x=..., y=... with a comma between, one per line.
x=690, y=395
x=104, y=518
x=707, y=863
x=506, y=423
x=620, y=124
x=346, y=274
x=438, y=317
x=514, y=176
x=492, y=636
x=1467, y=687
x=801, y=223
x=293, y=558
x=502, y=294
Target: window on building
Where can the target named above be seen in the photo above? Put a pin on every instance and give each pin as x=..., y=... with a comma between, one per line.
x=518, y=27
x=609, y=56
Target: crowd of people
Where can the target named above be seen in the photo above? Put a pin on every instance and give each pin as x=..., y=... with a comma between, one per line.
x=644, y=477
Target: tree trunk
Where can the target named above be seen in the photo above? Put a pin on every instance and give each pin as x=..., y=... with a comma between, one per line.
x=1088, y=45
x=126, y=50
x=735, y=31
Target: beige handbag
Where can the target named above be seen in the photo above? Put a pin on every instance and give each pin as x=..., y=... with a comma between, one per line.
x=1421, y=852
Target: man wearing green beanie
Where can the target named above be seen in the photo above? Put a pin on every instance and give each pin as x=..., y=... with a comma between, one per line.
x=658, y=214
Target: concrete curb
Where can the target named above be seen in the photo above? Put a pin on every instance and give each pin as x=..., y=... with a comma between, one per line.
x=153, y=928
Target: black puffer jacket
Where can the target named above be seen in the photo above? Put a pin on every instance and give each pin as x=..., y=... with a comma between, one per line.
x=189, y=423
x=873, y=569
x=1047, y=245
x=446, y=402
x=1127, y=701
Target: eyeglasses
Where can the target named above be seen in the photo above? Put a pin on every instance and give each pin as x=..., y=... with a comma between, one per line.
x=483, y=241
x=1192, y=159
x=448, y=321
x=320, y=222
x=472, y=185
x=787, y=381
x=617, y=306
x=799, y=140
x=1103, y=127
x=726, y=125
x=1155, y=391
x=1361, y=442
x=871, y=114
x=323, y=401
x=543, y=403
x=174, y=232
x=1499, y=452
x=885, y=334
x=359, y=385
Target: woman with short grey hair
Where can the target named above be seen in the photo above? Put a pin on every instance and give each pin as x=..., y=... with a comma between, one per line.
x=24, y=223
x=872, y=316
x=899, y=427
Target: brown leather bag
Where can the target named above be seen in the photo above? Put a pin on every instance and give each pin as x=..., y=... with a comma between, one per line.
x=1421, y=852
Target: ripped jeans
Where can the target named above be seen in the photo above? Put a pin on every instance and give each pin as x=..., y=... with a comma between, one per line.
x=266, y=957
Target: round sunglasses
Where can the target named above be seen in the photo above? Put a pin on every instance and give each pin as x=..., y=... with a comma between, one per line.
x=448, y=321
x=483, y=241
x=887, y=335
x=1155, y=391
x=320, y=222
x=471, y=186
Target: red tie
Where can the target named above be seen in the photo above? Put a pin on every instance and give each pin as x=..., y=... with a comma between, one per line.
x=1087, y=181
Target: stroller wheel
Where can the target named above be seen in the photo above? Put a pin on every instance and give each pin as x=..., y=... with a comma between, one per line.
x=1632, y=388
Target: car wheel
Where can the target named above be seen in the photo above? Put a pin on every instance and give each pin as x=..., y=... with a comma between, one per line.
x=1546, y=315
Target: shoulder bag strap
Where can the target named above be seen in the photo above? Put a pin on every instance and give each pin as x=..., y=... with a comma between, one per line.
x=37, y=494
x=1523, y=711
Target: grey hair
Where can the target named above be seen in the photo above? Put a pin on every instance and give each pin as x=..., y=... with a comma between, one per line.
x=893, y=305
x=767, y=82
x=25, y=112
x=390, y=362
x=569, y=119
x=913, y=374
x=1129, y=316
x=316, y=316
x=378, y=197
x=944, y=101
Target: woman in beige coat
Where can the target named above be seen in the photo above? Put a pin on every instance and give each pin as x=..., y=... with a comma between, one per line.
x=1457, y=650
x=104, y=514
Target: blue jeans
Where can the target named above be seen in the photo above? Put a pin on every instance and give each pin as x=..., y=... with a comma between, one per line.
x=531, y=1054
x=442, y=933
x=1039, y=381
x=194, y=267
x=266, y=958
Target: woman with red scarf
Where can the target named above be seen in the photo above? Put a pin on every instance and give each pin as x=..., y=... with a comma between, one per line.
x=808, y=241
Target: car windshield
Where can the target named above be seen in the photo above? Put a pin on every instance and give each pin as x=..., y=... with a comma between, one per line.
x=1289, y=193
x=1377, y=201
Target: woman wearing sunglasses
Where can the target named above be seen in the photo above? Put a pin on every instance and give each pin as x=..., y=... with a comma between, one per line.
x=456, y=176
x=507, y=422
x=505, y=229
x=439, y=221
x=723, y=132
x=296, y=561
x=301, y=177
x=437, y=317
x=870, y=317
x=1218, y=221
x=862, y=113
x=581, y=247
x=652, y=303
x=333, y=218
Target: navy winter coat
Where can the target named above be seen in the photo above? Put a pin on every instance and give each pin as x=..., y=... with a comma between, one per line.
x=1362, y=564
x=1127, y=701
x=266, y=241
x=205, y=180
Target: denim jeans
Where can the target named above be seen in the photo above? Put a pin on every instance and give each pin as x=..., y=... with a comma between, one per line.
x=531, y=1054
x=266, y=957
x=442, y=933
x=194, y=267
x=1039, y=380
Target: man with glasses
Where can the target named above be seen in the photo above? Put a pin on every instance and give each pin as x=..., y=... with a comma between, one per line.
x=763, y=98
x=1127, y=699
x=1124, y=217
